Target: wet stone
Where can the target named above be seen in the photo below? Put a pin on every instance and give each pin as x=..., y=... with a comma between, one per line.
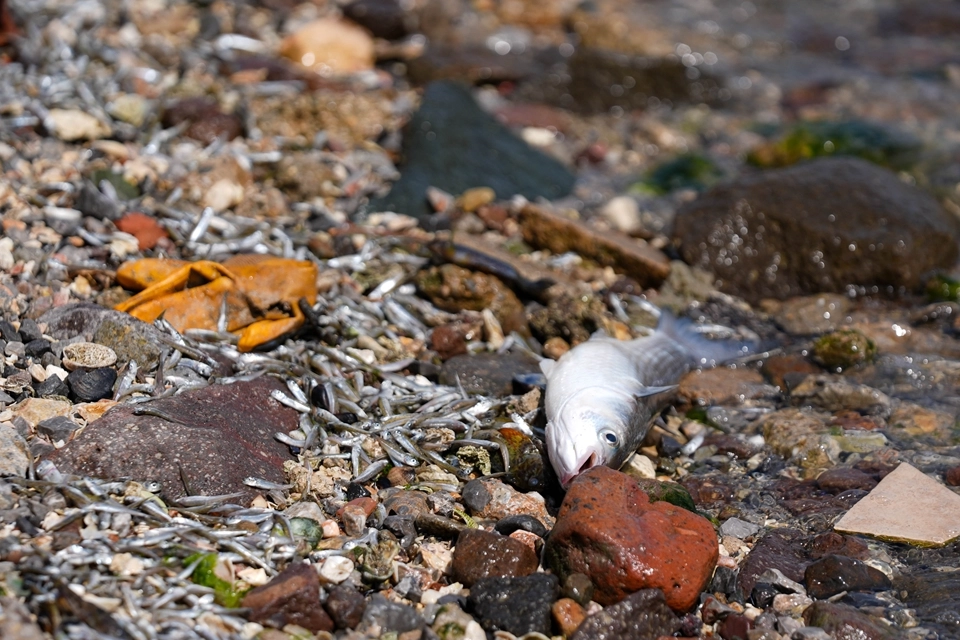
x=92, y=385
x=489, y=374
x=292, y=597
x=520, y=522
x=504, y=501
x=345, y=606
x=843, y=479
x=734, y=627
x=452, y=144
x=608, y=529
x=578, y=587
x=482, y=554
x=780, y=549
x=222, y=434
x=738, y=528
x=640, y=616
x=952, y=476
x=832, y=574
x=518, y=605
x=843, y=621
x=832, y=543
x=568, y=614
x=789, y=216
x=383, y=18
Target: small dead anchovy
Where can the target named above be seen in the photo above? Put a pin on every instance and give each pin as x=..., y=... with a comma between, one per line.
x=603, y=394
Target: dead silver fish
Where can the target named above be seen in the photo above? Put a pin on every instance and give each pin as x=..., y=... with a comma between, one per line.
x=602, y=395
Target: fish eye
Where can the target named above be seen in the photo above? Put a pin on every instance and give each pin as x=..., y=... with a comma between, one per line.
x=610, y=437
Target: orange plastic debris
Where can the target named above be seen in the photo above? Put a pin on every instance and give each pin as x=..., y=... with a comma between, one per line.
x=258, y=294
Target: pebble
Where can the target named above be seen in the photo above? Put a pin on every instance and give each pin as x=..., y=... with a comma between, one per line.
x=291, y=597
x=493, y=499
x=390, y=616
x=88, y=355
x=906, y=506
x=329, y=46
x=483, y=554
x=738, y=528
x=568, y=614
x=336, y=569
x=608, y=529
x=641, y=615
x=832, y=574
x=71, y=125
x=519, y=604
x=843, y=621
x=57, y=428
x=623, y=214
x=452, y=623
x=90, y=385
x=35, y=410
x=345, y=605
x=15, y=455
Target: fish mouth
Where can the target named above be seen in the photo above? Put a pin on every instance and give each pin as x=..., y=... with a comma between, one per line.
x=587, y=462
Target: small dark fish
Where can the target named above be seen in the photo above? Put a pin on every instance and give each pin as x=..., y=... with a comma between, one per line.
x=470, y=258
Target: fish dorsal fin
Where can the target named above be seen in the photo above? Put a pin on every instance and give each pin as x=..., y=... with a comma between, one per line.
x=546, y=366
x=645, y=391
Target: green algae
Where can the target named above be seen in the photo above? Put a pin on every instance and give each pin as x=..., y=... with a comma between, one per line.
x=687, y=171
x=844, y=349
x=227, y=593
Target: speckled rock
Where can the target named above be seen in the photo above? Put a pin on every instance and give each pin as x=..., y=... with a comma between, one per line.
x=640, y=616
x=518, y=605
x=127, y=336
x=781, y=549
x=291, y=597
x=608, y=529
x=482, y=554
x=222, y=434
x=489, y=374
x=774, y=234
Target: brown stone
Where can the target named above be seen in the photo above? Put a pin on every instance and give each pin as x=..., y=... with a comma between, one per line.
x=545, y=229
x=842, y=479
x=483, y=554
x=720, y=386
x=292, y=597
x=833, y=543
x=779, y=368
x=568, y=615
x=454, y=288
x=780, y=549
x=608, y=529
x=450, y=340
x=222, y=434
x=952, y=476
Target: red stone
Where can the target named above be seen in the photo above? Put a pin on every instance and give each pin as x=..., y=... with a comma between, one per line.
x=608, y=529
x=952, y=476
x=366, y=504
x=144, y=228
x=292, y=597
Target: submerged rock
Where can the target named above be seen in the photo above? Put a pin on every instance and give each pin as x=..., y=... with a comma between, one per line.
x=821, y=226
x=608, y=529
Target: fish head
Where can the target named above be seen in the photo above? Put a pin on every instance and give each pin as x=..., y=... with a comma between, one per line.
x=588, y=432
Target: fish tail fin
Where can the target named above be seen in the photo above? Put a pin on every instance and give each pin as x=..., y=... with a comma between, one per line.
x=706, y=351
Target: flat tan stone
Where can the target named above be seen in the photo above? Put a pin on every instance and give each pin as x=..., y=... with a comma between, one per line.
x=633, y=257
x=907, y=506
x=35, y=410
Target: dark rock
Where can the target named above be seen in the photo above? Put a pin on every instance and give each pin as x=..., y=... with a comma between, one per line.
x=523, y=522
x=452, y=144
x=9, y=332
x=29, y=330
x=608, y=529
x=291, y=597
x=36, y=348
x=952, y=476
x=383, y=18
x=780, y=549
x=57, y=428
x=842, y=479
x=469, y=63
x=345, y=605
x=518, y=605
x=391, y=616
x=819, y=208
x=832, y=574
x=52, y=386
x=489, y=374
x=579, y=588
x=843, y=621
x=483, y=554
x=223, y=434
x=734, y=627
x=640, y=616
x=475, y=496
x=934, y=595
x=92, y=385
x=450, y=340
x=92, y=202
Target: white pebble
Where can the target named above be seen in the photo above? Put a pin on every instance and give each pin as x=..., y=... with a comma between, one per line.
x=336, y=569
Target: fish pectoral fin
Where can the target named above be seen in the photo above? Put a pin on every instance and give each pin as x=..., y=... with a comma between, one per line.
x=546, y=366
x=645, y=392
